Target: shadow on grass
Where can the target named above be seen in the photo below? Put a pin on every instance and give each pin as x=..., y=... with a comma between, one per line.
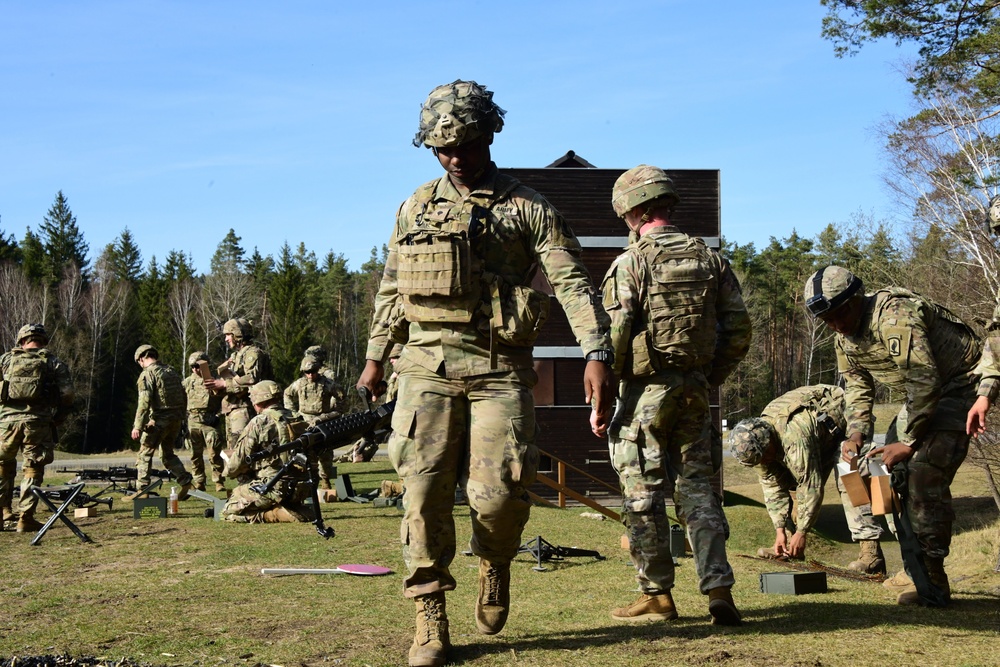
x=732, y=499
x=812, y=616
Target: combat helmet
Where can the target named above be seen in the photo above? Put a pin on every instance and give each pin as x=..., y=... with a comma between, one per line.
x=32, y=330
x=310, y=364
x=144, y=350
x=641, y=185
x=239, y=328
x=994, y=214
x=456, y=113
x=750, y=439
x=829, y=288
x=195, y=357
x=264, y=391
x=316, y=352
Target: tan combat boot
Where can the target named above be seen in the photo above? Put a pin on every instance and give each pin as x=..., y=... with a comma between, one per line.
x=185, y=491
x=898, y=583
x=722, y=608
x=431, y=640
x=659, y=607
x=8, y=515
x=28, y=524
x=870, y=560
x=938, y=577
x=493, y=603
x=325, y=484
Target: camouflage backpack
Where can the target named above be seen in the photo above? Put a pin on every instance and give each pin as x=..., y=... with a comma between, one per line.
x=24, y=378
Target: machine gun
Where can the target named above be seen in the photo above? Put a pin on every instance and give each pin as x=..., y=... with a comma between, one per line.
x=324, y=435
x=114, y=476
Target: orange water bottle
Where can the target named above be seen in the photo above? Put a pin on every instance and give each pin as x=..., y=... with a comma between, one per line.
x=172, y=501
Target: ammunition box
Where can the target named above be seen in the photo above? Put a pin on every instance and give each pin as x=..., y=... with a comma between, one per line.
x=793, y=583
x=149, y=508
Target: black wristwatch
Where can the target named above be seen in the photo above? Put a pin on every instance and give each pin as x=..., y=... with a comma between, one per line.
x=606, y=356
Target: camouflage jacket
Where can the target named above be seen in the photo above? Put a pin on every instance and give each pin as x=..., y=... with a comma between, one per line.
x=989, y=364
x=161, y=396
x=917, y=347
x=201, y=401
x=523, y=232
x=315, y=401
x=59, y=396
x=810, y=423
x=274, y=425
x=626, y=290
x=249, y=365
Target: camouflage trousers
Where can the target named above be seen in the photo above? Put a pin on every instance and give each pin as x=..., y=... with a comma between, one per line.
x=244, y=504
x=34, y=440
x=860, y=521
x=932, y=469
x=478, y=432
x=661, y=446
x=200, y=437
x=236, y=421
x=161, y=436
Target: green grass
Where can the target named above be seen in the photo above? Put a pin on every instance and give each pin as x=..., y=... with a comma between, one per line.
x=186, y=590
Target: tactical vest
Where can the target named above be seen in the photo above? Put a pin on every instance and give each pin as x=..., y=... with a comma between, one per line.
x=823, y=399
x=288, y=428
x=169, y=391
x=199, y=398
x=440, y=272
x=313, y=400
x=682, y=290
x=26, y=376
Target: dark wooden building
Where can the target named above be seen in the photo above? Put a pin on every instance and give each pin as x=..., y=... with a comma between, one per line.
x=582, y=193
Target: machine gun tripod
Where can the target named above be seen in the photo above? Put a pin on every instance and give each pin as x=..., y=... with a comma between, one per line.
x=545, y=551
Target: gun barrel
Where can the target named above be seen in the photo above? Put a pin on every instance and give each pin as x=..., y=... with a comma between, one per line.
x=335, y=432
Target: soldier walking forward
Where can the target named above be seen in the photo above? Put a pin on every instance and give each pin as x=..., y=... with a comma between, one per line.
x=456, y=292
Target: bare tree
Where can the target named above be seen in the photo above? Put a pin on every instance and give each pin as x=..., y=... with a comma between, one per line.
x=20, y=302
x=183, y=302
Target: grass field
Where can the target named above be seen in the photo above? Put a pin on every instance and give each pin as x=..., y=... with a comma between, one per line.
x=188, y=591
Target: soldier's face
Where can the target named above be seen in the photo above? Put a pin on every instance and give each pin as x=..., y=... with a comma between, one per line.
x=230, y=341
x=466, y=163
x=312, y=376
x=845, y=319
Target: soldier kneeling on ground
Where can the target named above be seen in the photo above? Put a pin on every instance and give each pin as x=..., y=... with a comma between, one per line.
x=273, y=425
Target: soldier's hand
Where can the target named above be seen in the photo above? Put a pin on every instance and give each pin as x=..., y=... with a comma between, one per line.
x=797, y=546
x=135, y=434
x=975, y=423
x=849, y=448
x=780, y=547
x=371, y=377
x=892, y=454
x=598, y=387
x=215, y=384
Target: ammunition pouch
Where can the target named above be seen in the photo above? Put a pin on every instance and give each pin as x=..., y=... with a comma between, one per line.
x=435, y=277
x=641, y=359
x=523, y=311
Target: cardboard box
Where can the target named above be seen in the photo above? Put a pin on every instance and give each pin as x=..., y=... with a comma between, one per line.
x=84, y=512
x=856, y=488
x=204, y=370
x=624, y=542
x=882, y=493
x=327, y=495
x=793, y=583
x=149, y=508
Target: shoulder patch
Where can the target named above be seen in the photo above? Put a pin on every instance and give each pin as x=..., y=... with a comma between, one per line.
x=897, y=342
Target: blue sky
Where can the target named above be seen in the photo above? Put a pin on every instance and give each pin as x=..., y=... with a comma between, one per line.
x=292, y=121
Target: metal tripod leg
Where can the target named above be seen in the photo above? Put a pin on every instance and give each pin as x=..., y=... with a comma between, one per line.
x=58, y=513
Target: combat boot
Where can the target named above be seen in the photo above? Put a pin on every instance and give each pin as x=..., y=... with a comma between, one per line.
x=659, y=607
x=768, y=552
x=870, y=560
x=938, y=577
x=28, y=524
x=493, y=603
x=325, y=483
x=722, y=608
x=220, y=486
x=899, y=582
x=431, y=640
x=200, y=486
x=185, y=491
x=279, y=514
x=8, y=515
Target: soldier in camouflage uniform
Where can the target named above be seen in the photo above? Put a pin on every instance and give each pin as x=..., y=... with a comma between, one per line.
x=989, y=363
x=365, y=448
x=315, y=397
x=273, y=425
x=903, y=341
x=319, y=354
x=456, y=290
x=36, y=395
x=679, y=327
x=159, y=417
x=203, y=406
x=794, y=446
x=246, y=366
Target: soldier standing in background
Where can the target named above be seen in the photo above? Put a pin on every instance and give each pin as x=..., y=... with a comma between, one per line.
x=203, y=406
x=246, y=366
x=36, y=395
x=319, y=354
x=901, y=340
x=462, y=256
x=159, y=417
x=273, y=425
x=989, y=363
x=315, y=397
x=679, y=327
x=794, y=446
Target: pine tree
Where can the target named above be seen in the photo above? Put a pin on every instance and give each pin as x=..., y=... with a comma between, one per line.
x=9, y=252
x=33, y=257
x=229, y=255
x=63, y=241
x=289, y=323
x=124, y=257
